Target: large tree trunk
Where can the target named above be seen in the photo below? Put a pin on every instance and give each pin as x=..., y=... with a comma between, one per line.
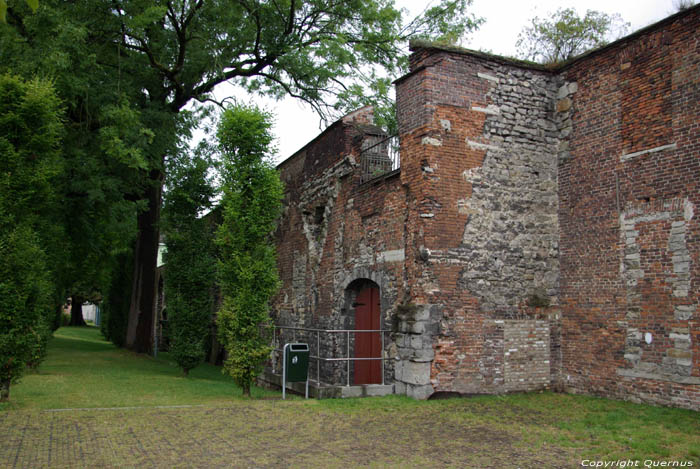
x=76, y=311
x=139, y=334
x=4, y=390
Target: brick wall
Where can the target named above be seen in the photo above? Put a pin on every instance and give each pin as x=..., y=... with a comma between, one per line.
x=479, y=146
x=628, y=192
x=543, y=229
x=335, y=232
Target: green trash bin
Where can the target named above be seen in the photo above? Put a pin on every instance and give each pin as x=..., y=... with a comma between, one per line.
x=295, y=366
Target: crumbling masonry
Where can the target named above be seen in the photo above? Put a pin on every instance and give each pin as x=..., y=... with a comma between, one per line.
x=542, y=231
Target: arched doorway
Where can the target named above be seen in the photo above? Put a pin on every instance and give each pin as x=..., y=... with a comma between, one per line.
x=367, y=344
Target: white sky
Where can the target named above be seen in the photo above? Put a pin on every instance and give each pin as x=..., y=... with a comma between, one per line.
x=296, y=124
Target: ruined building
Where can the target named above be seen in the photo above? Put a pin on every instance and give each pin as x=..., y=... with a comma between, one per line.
x=541, y=229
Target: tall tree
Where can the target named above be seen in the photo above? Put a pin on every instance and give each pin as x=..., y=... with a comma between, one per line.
x=103, y=144
x=566, y=35
x=190, y=263
x=30, y=130
x=252, y=202
x=156, y=57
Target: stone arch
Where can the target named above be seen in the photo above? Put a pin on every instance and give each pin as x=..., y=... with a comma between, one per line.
x=377, y=277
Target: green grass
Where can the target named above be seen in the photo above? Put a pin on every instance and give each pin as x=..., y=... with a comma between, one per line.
x=526, y=430
x=84, y=370
x=595, y=428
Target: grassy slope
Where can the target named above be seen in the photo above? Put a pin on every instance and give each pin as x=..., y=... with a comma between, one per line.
x=84, y=370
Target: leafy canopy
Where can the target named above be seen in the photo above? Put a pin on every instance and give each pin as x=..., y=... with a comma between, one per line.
x=134, y=73
x=566, y=35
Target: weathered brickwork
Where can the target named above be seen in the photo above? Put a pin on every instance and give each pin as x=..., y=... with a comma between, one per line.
x=629, y=231
x=542, y=231
x=336, y=234
x=481, y=171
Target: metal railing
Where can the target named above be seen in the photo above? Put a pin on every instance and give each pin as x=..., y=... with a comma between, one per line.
x=316, y=334
x=379, y=156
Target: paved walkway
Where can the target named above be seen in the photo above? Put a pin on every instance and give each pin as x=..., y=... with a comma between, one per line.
x=257, y=434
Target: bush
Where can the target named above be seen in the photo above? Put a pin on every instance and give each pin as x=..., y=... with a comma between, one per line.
x=25, y=293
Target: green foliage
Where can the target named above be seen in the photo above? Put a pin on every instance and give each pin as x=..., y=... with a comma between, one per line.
x=33, y=4
x=682, y=5
x=248, y=268
x=125, y=71
x=567, y=35
x=190, y=262
x=30, y=130
x=25, y=290
x=446, y=23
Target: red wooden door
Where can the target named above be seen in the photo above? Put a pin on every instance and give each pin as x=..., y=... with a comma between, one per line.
x=367, y=344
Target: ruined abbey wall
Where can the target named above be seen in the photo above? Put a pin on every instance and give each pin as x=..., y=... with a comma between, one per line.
x=542, y=231
x=336, y=230
x=479, y=146
x=629, y=189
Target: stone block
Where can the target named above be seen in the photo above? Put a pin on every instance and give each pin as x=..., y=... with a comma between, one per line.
x=419, y=392
x=423, y=355
x=400, y=388
x=679, y=354
x=415, y=342
x=417, y=327
x=564, y=105
x=684, y=312
x=351, y=391
x=431, y=141
x=376, y=390
x=411, y=372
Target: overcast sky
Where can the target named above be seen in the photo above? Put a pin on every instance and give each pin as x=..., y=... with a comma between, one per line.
x=296, y=124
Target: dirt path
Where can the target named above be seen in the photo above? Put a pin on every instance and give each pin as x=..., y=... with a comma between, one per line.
x=266, y=434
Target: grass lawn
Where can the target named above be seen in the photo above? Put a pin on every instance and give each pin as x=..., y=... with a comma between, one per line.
x=84, y=370
x=519, y=430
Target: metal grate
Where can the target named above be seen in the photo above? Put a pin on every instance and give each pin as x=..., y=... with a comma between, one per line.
x=379, y=156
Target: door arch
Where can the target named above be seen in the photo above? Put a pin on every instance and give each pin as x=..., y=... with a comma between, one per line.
x=367, y=307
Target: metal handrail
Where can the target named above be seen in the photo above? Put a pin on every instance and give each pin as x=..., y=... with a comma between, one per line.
x=347, y=358
x=380, y=158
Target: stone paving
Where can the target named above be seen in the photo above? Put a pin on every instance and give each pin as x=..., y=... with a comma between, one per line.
x=259, y=434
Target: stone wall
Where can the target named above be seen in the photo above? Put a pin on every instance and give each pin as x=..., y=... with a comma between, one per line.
x=479, y=142
x=542, y=230
x=629, y=191
x=336, y=233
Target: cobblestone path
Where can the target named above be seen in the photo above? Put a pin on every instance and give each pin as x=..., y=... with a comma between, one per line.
x=260, y=434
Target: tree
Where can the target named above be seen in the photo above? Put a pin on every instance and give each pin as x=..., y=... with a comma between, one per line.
x=150, y=60
x=567, y=35
x=103, y=140
x=30, y=131
x=190, y=263
x=682, y=5
x=115, y=312
x=252, y=202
